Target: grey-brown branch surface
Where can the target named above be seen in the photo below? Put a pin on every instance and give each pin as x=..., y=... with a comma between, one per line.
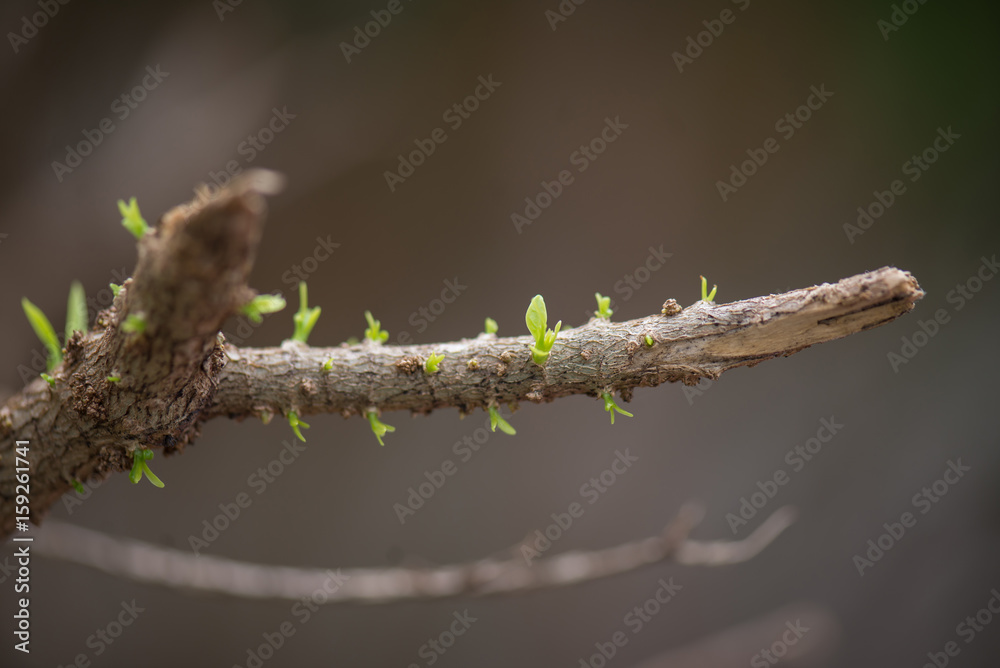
x=191, y=275
x=494, y=576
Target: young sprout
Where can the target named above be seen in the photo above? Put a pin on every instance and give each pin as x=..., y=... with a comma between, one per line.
x=140, y=466
x=132, y=219
x=46, y=334
x=328, y=364
x=431, y=365
x=262, y=304
x=305, y=319
x=295, y=422
x=537, y=320
x=707, y=296
x=114, y=379
x=49, y=379
x=491, y=326
x=603, y=307
x=649, y=341
x=496, y=420
x=78, y=486
x=378, y=427
x=374, y=332
x=115, y=288
x=135, y=323
x=76, y=310
x=610, y=406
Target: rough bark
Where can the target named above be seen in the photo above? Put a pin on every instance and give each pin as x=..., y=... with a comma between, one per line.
x=191, y=275
x=700, y=341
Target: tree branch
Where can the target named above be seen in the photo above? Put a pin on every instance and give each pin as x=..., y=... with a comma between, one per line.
x=486, y=577
x=191, y=274
x=702, y=340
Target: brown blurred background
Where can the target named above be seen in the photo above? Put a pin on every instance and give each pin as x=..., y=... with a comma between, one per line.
x=655, y=185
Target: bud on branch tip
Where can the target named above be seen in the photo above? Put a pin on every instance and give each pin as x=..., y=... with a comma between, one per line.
x=536, y=318
x=132, y=219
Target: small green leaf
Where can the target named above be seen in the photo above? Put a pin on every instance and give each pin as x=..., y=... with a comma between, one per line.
x=262, y=304
x=491, y=326
x=610, y=406
x=76, y=310
x=132, y=219
x=649, y=341
x=305, y=319
x=45, y=333
x=707, y=296
x=496, y=420
x=135, y=323
x=152, y=476
x=115, y=288
x=114, y=379
x=295, y=422
x=140, y=467
x=49, y=379
x=328, y=364
x=135, y=475
x=378, y=427
x=431, y=365
x=374, y=331
x=78, y=486
x=603, y=307
x=536, y=318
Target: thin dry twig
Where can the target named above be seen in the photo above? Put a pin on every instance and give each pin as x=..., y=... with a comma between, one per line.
x=487, y=577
